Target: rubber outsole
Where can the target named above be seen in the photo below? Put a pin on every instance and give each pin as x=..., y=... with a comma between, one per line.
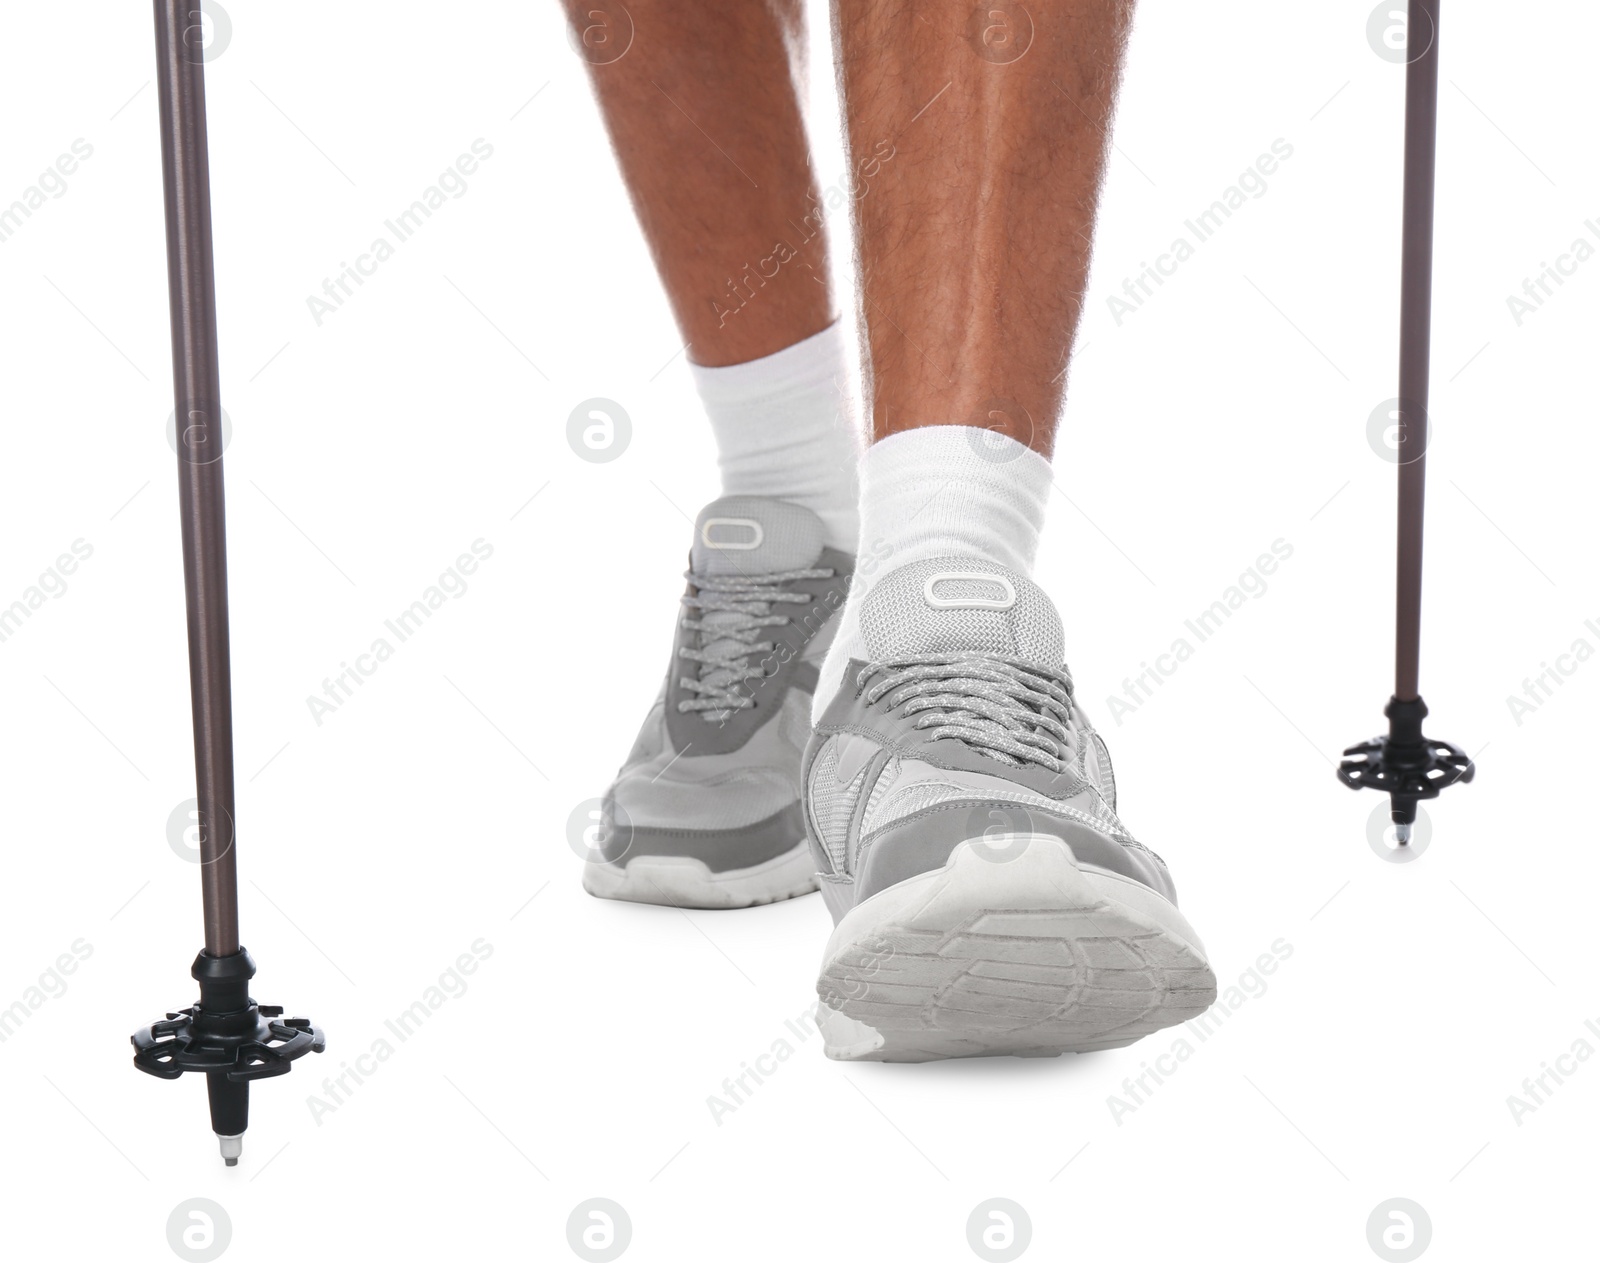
x=681, y=882
x=1010, y=949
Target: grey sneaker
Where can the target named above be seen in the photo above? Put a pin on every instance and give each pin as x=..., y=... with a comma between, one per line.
x=706, y=812
x=962, y=812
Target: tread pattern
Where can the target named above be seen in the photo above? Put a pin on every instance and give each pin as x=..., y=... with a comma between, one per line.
x=1016, y=981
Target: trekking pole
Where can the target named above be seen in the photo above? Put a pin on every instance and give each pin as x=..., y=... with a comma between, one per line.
x=226, y=1036
x=1405, y=764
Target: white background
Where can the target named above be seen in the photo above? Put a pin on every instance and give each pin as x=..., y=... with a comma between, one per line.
x=431, y=810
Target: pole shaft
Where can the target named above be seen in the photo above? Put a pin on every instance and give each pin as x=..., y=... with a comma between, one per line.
x=192, y=296
x=1416, y=298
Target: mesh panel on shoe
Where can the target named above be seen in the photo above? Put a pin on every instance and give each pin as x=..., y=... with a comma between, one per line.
x=754, y=535
x=833, y=803
x=946, y=605
x=885, y=781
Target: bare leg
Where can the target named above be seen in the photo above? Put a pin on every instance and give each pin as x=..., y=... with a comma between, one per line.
x=975, y=239
x=705, y=118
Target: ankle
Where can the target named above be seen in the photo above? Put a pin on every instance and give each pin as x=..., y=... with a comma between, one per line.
x=953, y=491
x=939, y=491
x=783, y=429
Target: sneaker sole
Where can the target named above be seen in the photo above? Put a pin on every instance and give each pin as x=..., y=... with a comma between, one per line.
x=1012, y=949
x=682, y=882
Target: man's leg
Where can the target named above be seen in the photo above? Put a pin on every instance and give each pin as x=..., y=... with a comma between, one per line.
x=975, y=241
x=705, y=118
x=704, y=113
x=988, y=899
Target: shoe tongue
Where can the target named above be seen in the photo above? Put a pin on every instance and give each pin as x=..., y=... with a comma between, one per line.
x=754, y=535
x=961, y=605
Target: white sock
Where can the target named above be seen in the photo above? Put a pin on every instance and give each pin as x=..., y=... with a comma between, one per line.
x=783, y=429
x=938, y=491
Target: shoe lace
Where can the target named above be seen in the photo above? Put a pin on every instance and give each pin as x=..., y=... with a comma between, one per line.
x=1013, y=712
x=734, y=609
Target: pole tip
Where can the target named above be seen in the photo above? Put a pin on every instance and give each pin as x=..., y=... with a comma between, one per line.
x=232, y=1147
x=1402, y=834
